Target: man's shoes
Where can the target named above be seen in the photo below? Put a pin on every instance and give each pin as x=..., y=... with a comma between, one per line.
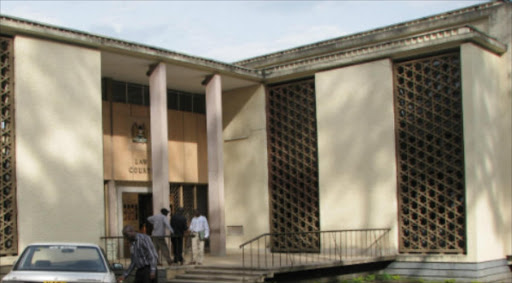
x=192, y=263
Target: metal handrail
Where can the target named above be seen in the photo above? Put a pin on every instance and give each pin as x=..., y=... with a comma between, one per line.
x=114, y=247
x=277, y=250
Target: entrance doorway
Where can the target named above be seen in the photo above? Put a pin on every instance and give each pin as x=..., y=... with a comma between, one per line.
x=190, y=197
x=137, y=207
x=145, y=211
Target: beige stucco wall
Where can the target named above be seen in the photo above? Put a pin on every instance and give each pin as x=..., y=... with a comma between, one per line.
x=487, y=136
x=59, y=150
x=245, y=161
x=356, y=147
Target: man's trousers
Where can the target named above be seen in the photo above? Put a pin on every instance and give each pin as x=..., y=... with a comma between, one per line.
x=177, y=245
x=143, y=275
x=197, y=249
x=161, y=245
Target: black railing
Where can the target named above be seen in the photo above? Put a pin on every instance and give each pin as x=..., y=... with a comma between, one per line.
x=270, y=251
x=117, y=248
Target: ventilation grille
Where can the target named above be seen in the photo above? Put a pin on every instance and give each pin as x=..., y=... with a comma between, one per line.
x=8, y=212
x=430, y=155
x=293, y=166
x=189, y=204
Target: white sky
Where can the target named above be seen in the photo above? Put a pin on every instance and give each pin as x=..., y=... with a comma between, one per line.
x=225, y=30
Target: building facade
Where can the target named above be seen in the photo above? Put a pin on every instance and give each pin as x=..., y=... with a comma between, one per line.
x=406, y=127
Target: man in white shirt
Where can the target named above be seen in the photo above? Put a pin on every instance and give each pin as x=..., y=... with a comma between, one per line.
x=160, y=222
x=200, y=232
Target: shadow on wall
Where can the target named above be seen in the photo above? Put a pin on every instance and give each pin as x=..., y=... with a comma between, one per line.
x=245, y=160
x=356, y=143
x=59, y=147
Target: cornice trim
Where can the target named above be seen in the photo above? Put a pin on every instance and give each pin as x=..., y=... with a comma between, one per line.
x=435, y=40
x=16, y=26
x=404, y=29
x=394, y=48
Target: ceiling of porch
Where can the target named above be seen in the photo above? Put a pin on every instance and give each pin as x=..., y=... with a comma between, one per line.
x=132, y=69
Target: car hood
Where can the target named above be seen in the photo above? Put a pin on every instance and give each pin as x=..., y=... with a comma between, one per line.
x=41, y=276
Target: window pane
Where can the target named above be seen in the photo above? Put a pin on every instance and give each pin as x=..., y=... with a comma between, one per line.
x=118, y=92
x=199, y=104
x=185, y=102
x=146, y=96
x=135, y=94
x=172, y=100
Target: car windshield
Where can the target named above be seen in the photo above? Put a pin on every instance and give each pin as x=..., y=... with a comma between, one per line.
x=61, y=258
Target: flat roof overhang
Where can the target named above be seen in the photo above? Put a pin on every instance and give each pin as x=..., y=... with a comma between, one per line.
x=132, y=69
x=130, y=62
x=472, y=15
x=416, y=45
x=127, y=61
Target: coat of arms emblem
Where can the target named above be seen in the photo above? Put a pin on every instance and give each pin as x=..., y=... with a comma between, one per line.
x=139, y=134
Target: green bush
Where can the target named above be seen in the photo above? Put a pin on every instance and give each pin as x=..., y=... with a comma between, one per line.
x=387, y=277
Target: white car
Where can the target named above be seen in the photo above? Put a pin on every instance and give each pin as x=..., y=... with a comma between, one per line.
x=61, y=263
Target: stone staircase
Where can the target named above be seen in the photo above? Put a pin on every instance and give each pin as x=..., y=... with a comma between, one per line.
x=206, y=274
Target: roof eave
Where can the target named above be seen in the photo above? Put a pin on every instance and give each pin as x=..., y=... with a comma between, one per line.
x=13, y=26
x=384, y=34
x=400, y=48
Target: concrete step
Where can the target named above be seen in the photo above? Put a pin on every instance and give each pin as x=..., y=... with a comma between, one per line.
x=230, y=271
x=216, y=277
x=205, y=274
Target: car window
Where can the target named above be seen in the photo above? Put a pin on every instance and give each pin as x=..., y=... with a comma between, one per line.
x=62, y=258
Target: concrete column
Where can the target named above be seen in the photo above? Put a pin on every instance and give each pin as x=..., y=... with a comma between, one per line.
x=112, y=209
x=159, y=149
x=215, y=166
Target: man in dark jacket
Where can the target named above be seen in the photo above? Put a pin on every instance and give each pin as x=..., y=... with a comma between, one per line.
x=179, y=225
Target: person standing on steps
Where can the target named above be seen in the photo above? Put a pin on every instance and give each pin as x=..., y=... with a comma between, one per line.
x=160, y=222
x=200, y=232
x=179, y=225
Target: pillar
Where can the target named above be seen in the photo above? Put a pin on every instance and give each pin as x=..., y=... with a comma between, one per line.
x=215, y=166
x=113, y=227
x=159, y=139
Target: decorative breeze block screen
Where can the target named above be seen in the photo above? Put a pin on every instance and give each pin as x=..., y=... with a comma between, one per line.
x=293, y=166
x=8, y=211
x=430, y=155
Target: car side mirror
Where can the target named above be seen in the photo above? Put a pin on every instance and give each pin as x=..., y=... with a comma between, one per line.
x=117, y=266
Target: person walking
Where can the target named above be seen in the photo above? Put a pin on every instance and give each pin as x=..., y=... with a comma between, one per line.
x=200, y=232
x=179, y=225
x=143, y=257
x=160, y=223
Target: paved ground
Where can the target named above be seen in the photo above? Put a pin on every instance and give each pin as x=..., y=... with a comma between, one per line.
x=232, y=260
